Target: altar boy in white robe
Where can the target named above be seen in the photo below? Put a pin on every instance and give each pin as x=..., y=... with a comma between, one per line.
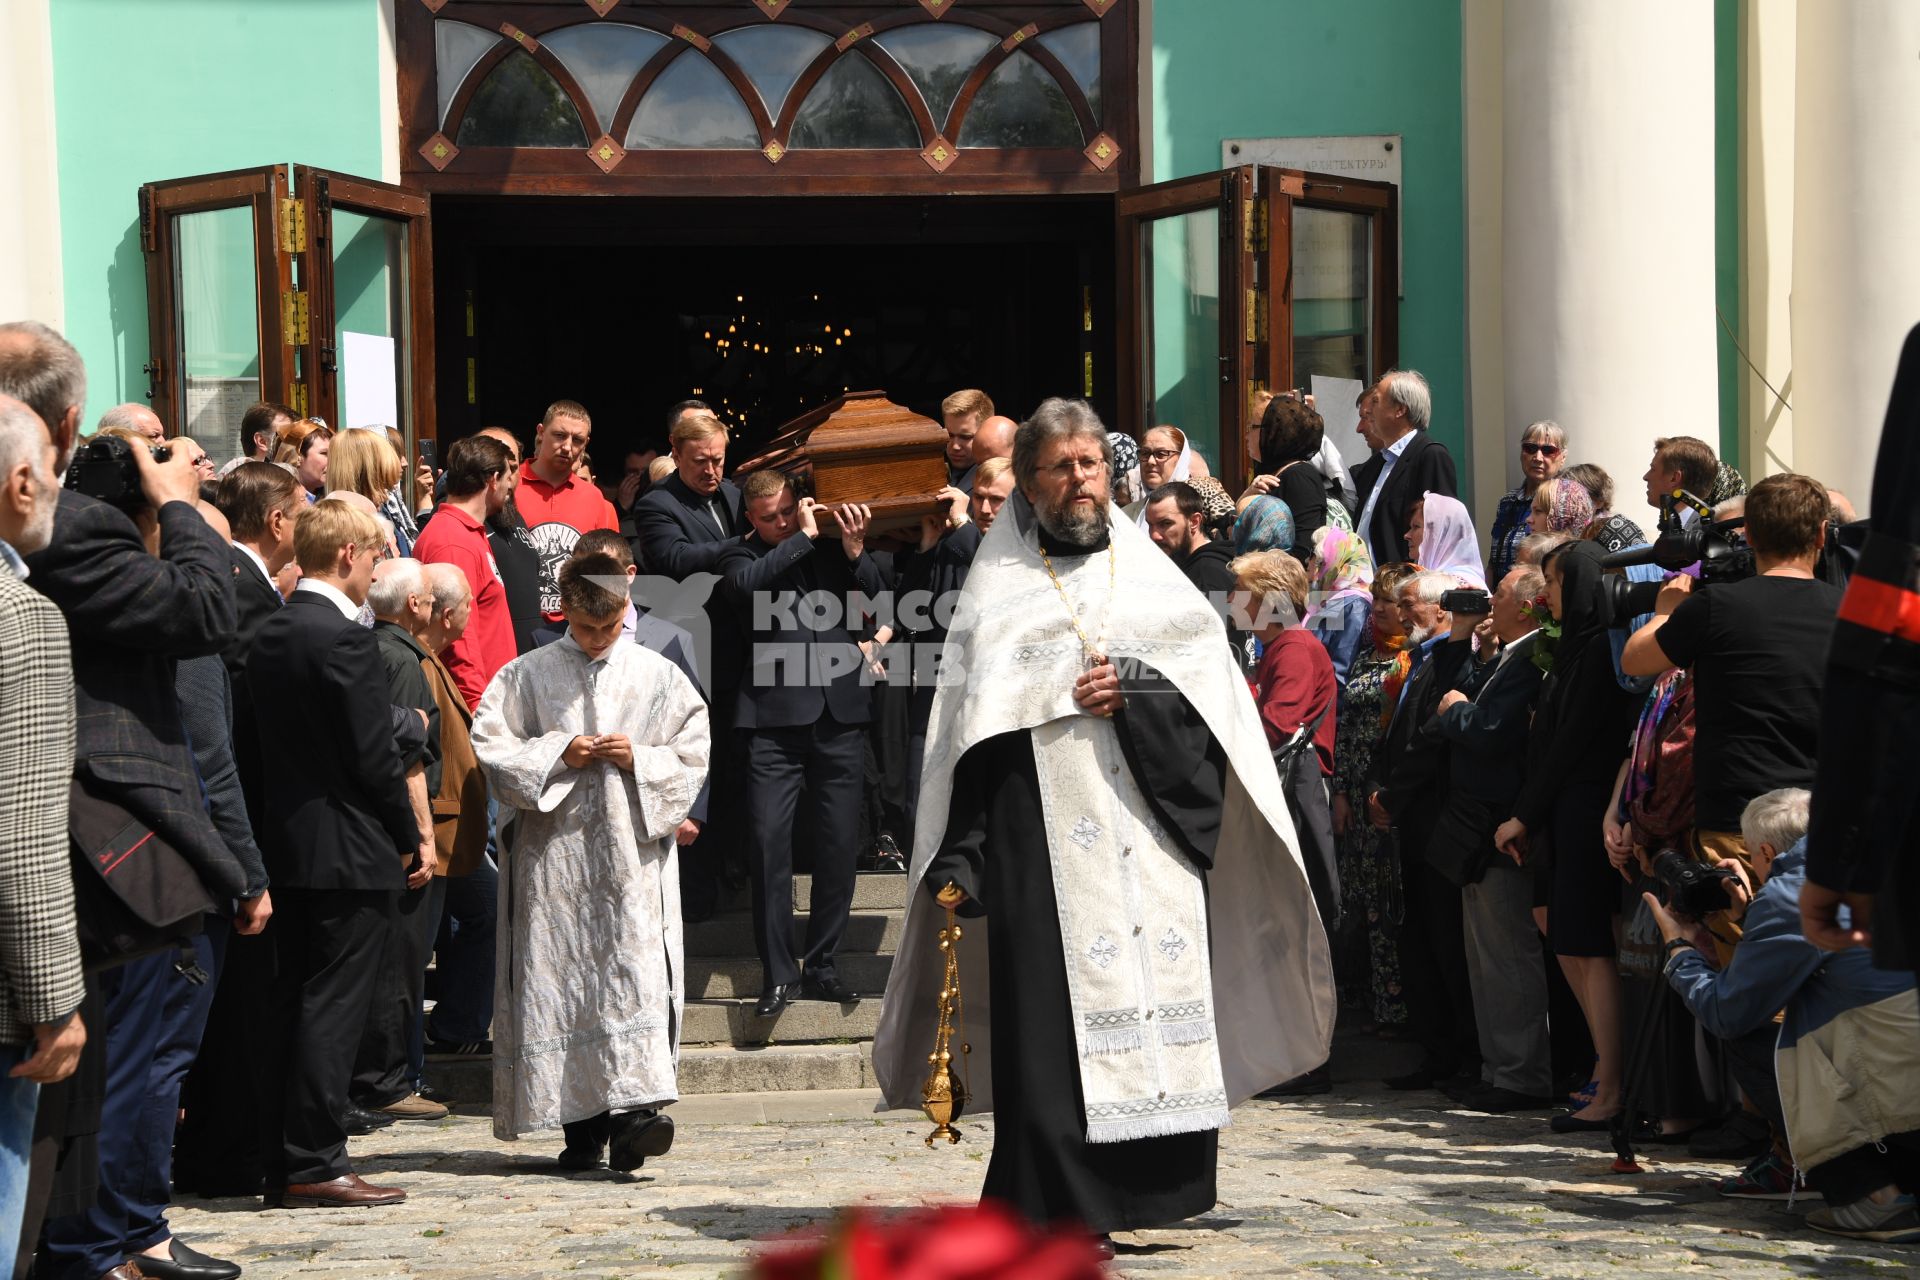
x=595, y=750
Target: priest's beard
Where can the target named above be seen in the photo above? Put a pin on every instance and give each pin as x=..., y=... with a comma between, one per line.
x=1071, y=524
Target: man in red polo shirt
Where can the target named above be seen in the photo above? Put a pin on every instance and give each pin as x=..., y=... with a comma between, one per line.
x=557, y=505
x=480, y=480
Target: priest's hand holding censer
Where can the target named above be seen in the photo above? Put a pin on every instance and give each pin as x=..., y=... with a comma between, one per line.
x=944, y=1096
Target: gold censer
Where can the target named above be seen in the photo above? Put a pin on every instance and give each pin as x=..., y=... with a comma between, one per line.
x=944, y=1096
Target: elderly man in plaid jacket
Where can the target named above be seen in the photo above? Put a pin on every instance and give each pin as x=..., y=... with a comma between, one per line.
x=40, y=981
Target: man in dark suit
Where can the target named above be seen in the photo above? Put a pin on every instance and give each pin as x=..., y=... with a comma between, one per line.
x=1411, y=769
x=685, y=525
x=1407, y=463
x=1484, y=722
x=341, y=833
x=260, y=502
x=141, y=589
x=803, y=707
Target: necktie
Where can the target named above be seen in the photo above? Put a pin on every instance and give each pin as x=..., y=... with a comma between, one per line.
x=719, y=515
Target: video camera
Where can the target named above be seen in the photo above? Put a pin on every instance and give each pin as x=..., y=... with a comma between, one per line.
x=1710, y=543
x=1691, y=890
x=104, y=468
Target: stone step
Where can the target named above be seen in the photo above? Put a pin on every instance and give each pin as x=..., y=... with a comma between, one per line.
x=872, y=891
x=722, y=979
x=804, y=1021
x=729, y=935
x=776, y=1069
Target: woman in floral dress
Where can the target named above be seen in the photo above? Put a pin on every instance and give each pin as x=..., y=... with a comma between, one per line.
x=1367, y=962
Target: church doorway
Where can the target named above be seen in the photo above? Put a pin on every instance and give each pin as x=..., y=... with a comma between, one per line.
x=764, y=307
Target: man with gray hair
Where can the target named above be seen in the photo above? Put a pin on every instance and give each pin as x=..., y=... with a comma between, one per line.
x=1094, y=769
x=1407, y=463
x=41, y=369
x=136, y=418
x=386, y=1075
x=1411, y=771
x=41, y=1033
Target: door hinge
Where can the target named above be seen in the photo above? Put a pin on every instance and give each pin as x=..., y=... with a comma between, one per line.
x=1086, y=384
x=293, y=317
x=293, y=226
x=297, y=397
x=1257, y=225
x=1256, y=316
x=147, y=244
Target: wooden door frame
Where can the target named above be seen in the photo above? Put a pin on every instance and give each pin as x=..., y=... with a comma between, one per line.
x=1230, y=191
x=321, y=191
x=264, y=190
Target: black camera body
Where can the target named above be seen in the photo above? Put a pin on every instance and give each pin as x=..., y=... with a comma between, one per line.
x=1690, y=889
x=1710, y=543
x=1471, y=601
x=104, y=468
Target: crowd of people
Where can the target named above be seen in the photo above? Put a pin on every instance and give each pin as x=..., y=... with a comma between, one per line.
x=365, y=734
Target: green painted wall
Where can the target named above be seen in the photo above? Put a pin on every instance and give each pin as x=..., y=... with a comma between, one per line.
x=1252, y=68
x=152, y=89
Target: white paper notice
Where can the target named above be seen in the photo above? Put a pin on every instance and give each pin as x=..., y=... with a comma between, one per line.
x=370, y=397
x=1334, y=398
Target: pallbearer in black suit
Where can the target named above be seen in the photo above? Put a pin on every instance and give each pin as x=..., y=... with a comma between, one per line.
x=803, y=708
x=340, y=837
x=684, y=526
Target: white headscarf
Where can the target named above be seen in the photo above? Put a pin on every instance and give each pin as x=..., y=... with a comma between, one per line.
x=1450, y=544
x=1181, y=466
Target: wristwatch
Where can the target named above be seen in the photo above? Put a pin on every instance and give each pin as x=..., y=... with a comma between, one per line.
x=1674, y=944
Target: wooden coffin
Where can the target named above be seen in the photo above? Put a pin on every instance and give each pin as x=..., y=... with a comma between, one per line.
x=863, y=448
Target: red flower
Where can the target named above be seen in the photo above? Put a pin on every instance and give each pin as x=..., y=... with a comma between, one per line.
x=984, y=1242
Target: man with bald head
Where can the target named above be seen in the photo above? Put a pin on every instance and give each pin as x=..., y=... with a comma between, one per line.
x=994, y=439
x=135, y=417
x=41, y=369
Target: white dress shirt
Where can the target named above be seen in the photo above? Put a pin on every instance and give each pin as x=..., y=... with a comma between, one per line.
x=333, y=596
x=1388, y=457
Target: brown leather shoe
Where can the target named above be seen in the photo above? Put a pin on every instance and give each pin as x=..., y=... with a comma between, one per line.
x=127, y=1270
x=347, y=1190
x=414, y=1107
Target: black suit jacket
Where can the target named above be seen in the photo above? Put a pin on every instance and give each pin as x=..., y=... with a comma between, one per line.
x=1412, y=761
x=792, y=677
x=131, y=616
x=1486, y=744
x=255, y=600
x=678, y=539
x=338, y=816
x=1424, y=466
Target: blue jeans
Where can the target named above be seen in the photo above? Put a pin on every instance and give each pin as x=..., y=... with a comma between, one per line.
x=154, y=1020
x=18, y=1101
x=463, y=1008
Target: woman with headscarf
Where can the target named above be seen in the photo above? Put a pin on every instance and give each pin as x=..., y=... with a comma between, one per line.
x=1440, y=536
x=1218, y=513
x=1580, y=734
x=1367, y=968
x=1265, y=524
x=1543, y=451
x=1291, y=434
x=1341, y=612
x=1165, y=456
x=1613, y=531
x=1561, y=506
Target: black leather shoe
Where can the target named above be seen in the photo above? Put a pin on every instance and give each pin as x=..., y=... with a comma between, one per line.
x=828, y=988
x=1318, y=1080
x=774, y=999
x=360, y=1122
x=1493, y=1100
x=1418, y=1078
x=1567, y=1122
x=636, y=1136
x=185, y=1264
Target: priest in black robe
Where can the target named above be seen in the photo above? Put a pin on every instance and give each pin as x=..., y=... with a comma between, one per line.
x=1098, y=798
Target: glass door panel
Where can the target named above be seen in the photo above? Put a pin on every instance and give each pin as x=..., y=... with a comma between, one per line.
x=1332, y=294
x=370, y=337
x=1186, y=275
x=1181, y=318
x=217, y=318
x=222, y=309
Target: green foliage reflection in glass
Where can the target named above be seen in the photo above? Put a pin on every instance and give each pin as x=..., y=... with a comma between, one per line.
x=853, y=105
x=520, y=105
x=1020, y=105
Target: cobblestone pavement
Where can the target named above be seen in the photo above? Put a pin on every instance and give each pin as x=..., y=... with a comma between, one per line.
x=1344, y=1185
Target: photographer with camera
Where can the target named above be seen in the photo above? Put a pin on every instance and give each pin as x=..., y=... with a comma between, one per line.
x=133, y=609
x=1838, y=1075
x=1757, y=649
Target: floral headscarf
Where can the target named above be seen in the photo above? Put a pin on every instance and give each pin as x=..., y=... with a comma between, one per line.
x=1217, y=505
x=1568, y=505
x=1126, y=453
x=1265, y=524
x=1727, y=483
x=1341, y=566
